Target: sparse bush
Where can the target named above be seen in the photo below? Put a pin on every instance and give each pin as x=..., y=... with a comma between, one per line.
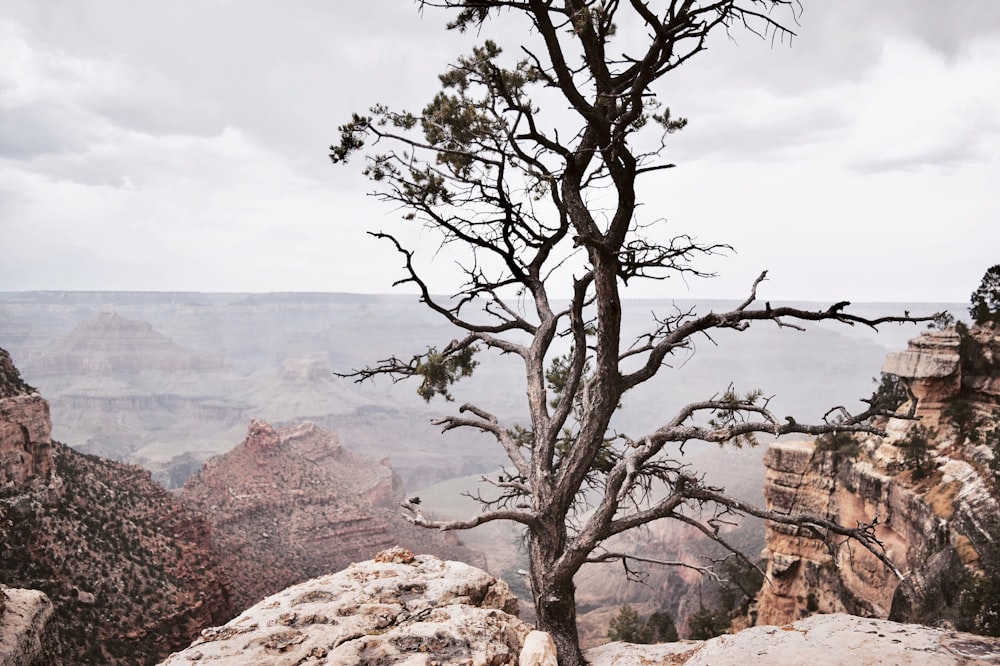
x=840, y=443
x=916, y=450
x=663, y=628
x=742, y=583
x=991, y=438
x=629, y=627
x=891, y=392
x=709, y=623
x=967, y=422
x=979, y=599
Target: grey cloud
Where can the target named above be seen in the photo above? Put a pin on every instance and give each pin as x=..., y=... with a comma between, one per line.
x=737, y=139
x=840, y=40
x=33, y=130
x=966, y=150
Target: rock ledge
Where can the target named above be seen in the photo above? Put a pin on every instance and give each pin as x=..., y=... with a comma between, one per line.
x=391, y=611
x=831, y=640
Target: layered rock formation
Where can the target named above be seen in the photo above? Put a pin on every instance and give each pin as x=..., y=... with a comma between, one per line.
x=128, y=570
x=937, y=528
x=394, y=609
x=117, y=386
x=280, y=352
x=25, y=431
x=291, y=503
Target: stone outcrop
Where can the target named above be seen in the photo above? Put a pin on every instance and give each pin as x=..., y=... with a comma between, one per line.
x=805, y=574
x=25, y=431
x=23, y=617
x=831, y=640
x=935, y=528
x=288, y=504
x=394, y=609
x=932, y=364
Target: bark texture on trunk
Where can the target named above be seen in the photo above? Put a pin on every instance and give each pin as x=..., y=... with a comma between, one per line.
x=556, y=614
x=555, y=597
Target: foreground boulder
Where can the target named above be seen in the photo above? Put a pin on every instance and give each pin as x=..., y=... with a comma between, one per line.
x=831, y=640
x=23, y=616
x=398, y=608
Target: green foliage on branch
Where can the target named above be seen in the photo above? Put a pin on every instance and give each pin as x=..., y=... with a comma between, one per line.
x=440, y=370
x=733, y=410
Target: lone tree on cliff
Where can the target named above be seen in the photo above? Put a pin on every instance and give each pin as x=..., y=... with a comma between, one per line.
x=985, y=300
x=540, y=201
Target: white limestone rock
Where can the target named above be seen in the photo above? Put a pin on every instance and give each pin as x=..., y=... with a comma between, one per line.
x=539, y=650
x=831, y=640
x=425, y=611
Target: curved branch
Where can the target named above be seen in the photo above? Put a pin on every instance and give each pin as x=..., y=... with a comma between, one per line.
x=414, y=516
x=864, y=533
x=625, y=557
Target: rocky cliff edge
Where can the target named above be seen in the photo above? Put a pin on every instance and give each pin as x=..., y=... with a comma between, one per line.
x=421, y=611
x=395, y=609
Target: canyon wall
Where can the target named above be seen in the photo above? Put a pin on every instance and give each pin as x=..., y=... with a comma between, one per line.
x=25, y=431
x=938, y=524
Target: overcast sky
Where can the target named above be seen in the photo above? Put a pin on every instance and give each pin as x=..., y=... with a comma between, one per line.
x=182, y=145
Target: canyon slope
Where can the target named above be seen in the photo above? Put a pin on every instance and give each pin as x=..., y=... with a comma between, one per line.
x=930, y=489
x=128, y=570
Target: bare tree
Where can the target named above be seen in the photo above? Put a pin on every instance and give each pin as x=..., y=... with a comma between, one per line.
x=542, y=201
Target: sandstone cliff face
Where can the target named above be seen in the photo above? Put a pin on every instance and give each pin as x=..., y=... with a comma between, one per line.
x=291, y=503
x=935, y=529
x=25, y=431
x=129, y=571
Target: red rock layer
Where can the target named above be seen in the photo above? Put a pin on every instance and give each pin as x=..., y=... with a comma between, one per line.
x=290, y=504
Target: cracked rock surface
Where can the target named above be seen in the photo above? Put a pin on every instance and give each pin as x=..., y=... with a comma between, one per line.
x=830, y=640
x=397, y=609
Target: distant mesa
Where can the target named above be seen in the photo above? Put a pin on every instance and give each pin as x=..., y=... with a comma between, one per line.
x=112, y=344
